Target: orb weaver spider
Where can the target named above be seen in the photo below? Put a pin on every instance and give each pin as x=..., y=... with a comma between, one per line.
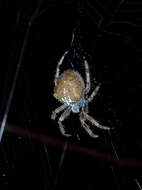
x=71, y=91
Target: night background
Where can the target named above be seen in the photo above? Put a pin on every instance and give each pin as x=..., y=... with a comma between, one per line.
x=34, y=36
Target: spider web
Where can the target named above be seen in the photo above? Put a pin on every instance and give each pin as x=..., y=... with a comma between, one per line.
x=31, y=144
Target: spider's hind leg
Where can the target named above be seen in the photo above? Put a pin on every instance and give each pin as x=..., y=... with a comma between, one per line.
x=87, y=72
x=94, y=93
x=58, y=67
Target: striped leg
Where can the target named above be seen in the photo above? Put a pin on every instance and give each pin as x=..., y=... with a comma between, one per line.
x=58, y=68
x=94, y=93
x=87, y=72
x=85, y=126
x=57, y=110
x=88, y=130
x=64, y=115
x=94, y=122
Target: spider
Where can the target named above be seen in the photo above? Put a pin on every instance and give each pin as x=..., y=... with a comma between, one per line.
x=71, y=91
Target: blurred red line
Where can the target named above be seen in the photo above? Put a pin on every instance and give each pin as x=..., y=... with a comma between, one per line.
x=60, y=144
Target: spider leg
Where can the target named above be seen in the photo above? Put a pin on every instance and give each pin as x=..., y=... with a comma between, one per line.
x=94, y=93
x=57, y=110
x=87, y=72
x=64, y=115
x=87, y=128
x=58, y=67
x=94, y=122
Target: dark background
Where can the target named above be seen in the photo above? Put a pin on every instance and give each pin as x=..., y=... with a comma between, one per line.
x=34, y=36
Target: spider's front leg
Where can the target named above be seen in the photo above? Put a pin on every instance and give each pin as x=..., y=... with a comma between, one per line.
x=59, y=109
x=85, y=126
x=62, y=117
x=96, y=123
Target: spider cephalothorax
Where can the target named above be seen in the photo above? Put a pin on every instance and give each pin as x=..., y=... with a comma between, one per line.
x=72, y=92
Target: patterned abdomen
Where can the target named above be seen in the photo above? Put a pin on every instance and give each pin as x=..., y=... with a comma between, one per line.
x=69, y=87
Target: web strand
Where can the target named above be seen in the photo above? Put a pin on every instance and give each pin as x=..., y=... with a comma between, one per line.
x=18, y=67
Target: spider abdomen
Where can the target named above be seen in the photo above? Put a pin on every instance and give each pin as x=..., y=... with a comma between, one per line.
x=70, y=87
